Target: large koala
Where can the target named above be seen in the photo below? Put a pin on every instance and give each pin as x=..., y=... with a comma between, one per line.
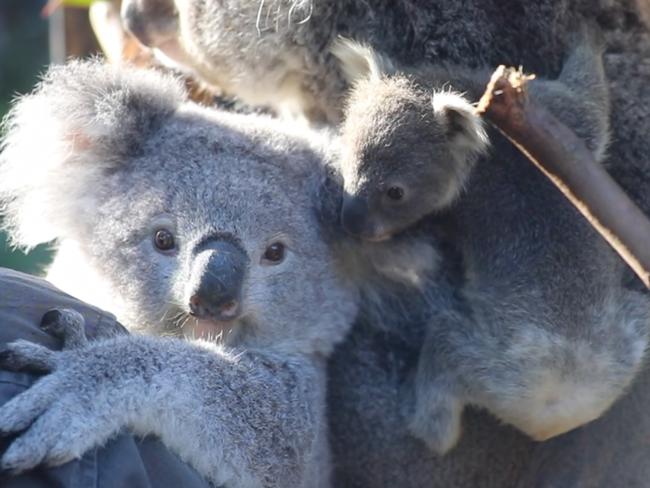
x=372, y=371
x=543, y=357
x=275, y=52
x=180, y=219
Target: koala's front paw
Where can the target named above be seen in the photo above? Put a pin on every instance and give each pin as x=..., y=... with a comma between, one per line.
x=65, y=413
x=66, y=324
x=437, y=421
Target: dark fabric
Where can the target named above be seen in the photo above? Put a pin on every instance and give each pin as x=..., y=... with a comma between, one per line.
x=125, y=461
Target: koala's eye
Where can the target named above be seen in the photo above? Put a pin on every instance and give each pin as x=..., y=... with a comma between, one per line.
x=164, y=240
x=395, y=193
x=274, y=254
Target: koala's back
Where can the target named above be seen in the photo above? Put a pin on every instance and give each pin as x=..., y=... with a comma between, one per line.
x=470, y=33
x=627, y=65
x=518, y=233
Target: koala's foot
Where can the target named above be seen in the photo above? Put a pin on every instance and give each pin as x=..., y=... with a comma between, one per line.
x=437, y=421
x=53, y=419
x=66, y=324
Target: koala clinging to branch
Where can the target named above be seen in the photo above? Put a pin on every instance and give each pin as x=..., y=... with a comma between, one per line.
x=177, y=215
x=543, y=338
x=411, y=138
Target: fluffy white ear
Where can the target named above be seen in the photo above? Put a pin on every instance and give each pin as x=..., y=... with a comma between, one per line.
x=464, y=128
x=83, y=119
x=360, y=61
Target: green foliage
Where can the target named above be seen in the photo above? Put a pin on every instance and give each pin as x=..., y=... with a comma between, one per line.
x=77, y=3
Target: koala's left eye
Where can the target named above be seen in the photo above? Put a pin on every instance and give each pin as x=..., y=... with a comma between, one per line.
x=395, y=193
x=274, y=254
x=164, y=240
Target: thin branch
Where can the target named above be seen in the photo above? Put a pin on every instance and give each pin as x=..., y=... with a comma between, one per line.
x=564, y=158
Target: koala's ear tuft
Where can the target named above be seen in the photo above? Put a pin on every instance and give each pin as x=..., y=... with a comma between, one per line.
x=84, y=118
x=360, y=61
x=327, y=197
x=463, y=127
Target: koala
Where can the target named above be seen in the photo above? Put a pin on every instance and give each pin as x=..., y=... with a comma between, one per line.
x=411, y=138
x=208, y=39
x=407, y=154
x=370, y=372
x=274, y=53
x=186, y=222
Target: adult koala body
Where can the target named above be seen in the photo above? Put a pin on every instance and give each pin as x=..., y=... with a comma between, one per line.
x=275, y=52
x=543, y=357
x=176, y=214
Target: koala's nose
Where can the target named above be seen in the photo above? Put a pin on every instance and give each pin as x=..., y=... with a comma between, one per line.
x=151, y=22
x=354, y=215
x=218, y=272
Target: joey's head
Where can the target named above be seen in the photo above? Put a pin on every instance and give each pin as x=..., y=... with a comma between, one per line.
x=186, y=219
x=265, y=53
x=407, y=149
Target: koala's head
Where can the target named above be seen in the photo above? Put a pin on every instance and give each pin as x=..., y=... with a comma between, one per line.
x=407, y=149
x=185, y=216
x=264, y=52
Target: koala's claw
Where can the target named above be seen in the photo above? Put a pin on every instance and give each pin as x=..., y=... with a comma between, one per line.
x=53, y=418
x=40, y=443
x=23, y=355
x=66, y=324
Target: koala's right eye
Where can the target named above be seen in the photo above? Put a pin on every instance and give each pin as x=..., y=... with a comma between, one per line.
x=395, y=193
x=164, y=240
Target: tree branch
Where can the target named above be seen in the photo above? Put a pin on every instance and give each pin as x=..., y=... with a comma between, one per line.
x=565, y=159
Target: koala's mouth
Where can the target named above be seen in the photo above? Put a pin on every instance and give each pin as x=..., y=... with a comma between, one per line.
x=209, y=329
x=378, y=238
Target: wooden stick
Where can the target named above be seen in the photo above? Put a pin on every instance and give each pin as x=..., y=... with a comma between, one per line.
x=564, y=158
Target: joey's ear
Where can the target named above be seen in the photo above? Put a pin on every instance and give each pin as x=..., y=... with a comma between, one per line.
x=83, y=118
x=327, y=197
x=360, y=61
x=464, y=128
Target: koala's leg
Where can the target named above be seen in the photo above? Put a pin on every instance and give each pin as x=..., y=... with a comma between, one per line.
x=547, y=378
x=580, y=96
x=438, y=404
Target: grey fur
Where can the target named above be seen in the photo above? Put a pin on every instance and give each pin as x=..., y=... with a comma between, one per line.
x=415, y=130
x=274, y=52
x=506, y=346
x=370, y=373
x=121, y=156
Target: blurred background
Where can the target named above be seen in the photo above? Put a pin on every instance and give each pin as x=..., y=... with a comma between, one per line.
x=34, y=33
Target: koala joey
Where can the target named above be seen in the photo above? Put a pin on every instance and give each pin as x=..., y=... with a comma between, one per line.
x=541, y=333
x=178, y=218
x=411, y=138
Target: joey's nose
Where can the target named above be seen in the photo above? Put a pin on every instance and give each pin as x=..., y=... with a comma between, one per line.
x=218, y=273
x=354, y=215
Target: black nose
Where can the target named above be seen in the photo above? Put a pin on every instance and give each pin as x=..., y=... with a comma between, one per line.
x=218, y=273
x=150, y=21
x=354, y=215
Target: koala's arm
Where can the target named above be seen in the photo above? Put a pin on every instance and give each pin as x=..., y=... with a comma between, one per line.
x=579, y=98
x=247, y=419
